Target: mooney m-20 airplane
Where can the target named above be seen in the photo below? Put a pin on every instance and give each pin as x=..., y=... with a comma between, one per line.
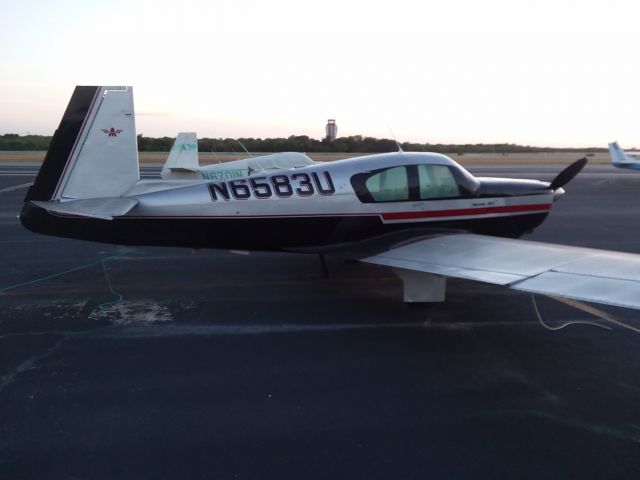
x=183, y=164
x=421, y=214
x=622, y=159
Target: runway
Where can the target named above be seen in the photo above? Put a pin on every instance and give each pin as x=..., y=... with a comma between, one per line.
x=162, y=363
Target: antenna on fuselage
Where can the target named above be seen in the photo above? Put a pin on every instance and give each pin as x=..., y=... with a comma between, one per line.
x=400, y=150
x=215, y=152
x=245, y=148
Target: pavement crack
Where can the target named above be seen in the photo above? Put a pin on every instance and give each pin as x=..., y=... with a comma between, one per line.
x=28, y=364
x=37, y=334
x=620, y=432
x=31, y=363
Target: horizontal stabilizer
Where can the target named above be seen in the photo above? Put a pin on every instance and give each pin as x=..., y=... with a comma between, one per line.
x=183, y=170
x=103, y=208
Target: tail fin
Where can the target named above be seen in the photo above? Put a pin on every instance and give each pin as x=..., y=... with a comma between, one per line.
x=93, y=153
x=618, y=156
x=183, y=155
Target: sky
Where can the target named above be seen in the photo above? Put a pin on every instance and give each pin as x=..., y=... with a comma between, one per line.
x=546, y=72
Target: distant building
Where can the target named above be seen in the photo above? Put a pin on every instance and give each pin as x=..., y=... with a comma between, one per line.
x=331, y=129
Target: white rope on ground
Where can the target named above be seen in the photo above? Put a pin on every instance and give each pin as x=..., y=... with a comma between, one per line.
x=596, y=312
x=566, y=324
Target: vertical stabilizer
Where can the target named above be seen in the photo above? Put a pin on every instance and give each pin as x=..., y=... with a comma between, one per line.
x=94, y=152
x=619, y=157
x=183, y=155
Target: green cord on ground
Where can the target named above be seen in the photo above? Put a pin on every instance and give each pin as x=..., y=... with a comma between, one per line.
x=102, y=261
x=104, y=305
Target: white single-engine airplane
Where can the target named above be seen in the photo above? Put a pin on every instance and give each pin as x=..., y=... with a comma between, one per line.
x=421, y=214
x=622, y=159
x=183, y=164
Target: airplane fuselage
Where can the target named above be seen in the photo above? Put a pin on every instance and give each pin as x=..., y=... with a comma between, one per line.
x=322, y=204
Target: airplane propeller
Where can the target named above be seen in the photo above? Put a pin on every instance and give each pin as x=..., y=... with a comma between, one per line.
x=566, y=175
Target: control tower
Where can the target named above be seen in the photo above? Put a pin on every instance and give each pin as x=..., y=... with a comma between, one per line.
x=331, y=129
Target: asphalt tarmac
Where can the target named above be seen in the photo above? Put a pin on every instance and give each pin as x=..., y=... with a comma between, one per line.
x=219, y=365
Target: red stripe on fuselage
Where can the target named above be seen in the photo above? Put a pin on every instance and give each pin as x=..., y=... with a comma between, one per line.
x=460, y=212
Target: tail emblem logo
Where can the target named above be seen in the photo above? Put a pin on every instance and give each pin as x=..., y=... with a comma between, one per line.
x=112, y=132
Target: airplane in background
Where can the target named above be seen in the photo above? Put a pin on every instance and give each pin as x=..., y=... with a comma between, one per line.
x=421, y=214
x=622, y=159
x=183, y=163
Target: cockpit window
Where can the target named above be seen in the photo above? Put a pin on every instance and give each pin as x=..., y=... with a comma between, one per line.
x=390, y=185
x=437, y=181
x=410, y=183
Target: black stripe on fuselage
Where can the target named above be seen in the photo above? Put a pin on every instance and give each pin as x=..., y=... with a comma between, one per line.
x=62, y=144
x=254, y=233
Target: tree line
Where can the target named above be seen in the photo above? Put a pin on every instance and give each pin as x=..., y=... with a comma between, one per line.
x=296, y=143
x=13, y=141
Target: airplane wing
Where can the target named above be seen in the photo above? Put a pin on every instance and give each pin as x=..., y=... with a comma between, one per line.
x=279, y=161
x=591, y=275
